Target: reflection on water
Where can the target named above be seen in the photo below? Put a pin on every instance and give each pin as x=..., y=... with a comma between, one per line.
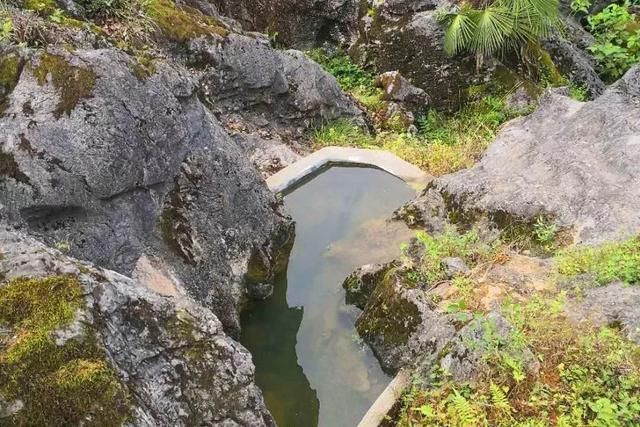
x=310, y=365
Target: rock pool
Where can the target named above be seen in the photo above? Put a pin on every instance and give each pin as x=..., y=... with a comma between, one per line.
x=310, y=364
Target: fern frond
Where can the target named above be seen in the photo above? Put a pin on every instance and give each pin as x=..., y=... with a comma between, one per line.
x=499, y=399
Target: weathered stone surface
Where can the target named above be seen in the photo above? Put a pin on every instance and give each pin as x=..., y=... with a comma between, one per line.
x=569, y=54
x=298, y=23
x=454, y=266
x=360, y=284
x=396, y=88
x=577, y=162
x=413, y=45
x=170, y=353
x=477, y=340
x=611, y=305
x=401, y=7
x=273, y=96
x=135, y=166
x=400, y=325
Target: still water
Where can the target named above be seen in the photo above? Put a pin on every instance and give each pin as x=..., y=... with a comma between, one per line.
x=310, y=365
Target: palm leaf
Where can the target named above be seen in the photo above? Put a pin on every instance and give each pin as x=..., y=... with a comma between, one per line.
x=459, y=33
x=493, y=26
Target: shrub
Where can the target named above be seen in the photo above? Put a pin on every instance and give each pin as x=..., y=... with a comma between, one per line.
x=607, y=263
x=501, y=26
x=617, y=34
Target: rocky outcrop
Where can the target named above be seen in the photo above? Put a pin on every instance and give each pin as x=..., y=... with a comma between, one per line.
x=170, y=355
x=468, y=353
x=115, y=165
x=400, y=325
x=574, y=162
x=298, y=23
x=568, y=50
x=269, y=97
x=412, y=44
x=615, y=305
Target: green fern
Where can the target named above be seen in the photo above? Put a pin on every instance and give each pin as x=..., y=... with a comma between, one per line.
x=463, y=411
x=499, y=399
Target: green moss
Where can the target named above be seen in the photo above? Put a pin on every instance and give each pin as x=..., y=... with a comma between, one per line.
x=182, y=24
x=607, y=263
x=73, y=83
x=45, y=7
x=59, y=384
x=143, y=67
x=9, y=71
x=388, y=316
x=9, y=168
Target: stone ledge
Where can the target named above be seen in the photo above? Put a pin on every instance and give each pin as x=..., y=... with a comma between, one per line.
x=328, y=156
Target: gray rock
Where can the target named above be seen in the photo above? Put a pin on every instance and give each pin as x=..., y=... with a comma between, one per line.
x=519, y=100
x=282, y=92
x=135, y=166
x=577, y=162
x=170, y=353
x=296, y=23
x=396, y=88
x=402, y=7
x=413, y=44
x=569, y=54
x=613, y=305
x=454, y=266
x=479, y=339
x=400, y=326
x=360, y=284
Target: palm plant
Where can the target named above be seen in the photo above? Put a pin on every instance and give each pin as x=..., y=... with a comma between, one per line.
x=498, y=27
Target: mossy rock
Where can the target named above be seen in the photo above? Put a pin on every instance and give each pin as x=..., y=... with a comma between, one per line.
x=73, y=83
x=10, y=68
x=182, y=24
x=60, y=381
x=389, y=317
x=9, y=168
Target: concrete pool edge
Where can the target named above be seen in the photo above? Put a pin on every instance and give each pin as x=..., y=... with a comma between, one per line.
x=386, y=400
x=384, y=160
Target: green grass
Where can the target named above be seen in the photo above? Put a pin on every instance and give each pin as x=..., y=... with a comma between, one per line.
x=587, y=377
x=607, y=263
x=445, y=143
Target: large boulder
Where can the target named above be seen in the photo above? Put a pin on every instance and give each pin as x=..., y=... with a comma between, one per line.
x=400, y=324
x=158, y=360
x=413, y=44
x=568, y=50
x=114, y=165
x=574, y=162
x=245, y=75
x=299, y=23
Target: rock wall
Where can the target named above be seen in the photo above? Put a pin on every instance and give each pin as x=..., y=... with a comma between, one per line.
x=136, y=167
x=171, y=355
x=575, y=162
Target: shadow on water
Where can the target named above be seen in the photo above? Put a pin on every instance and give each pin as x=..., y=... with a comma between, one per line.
x=309, y=363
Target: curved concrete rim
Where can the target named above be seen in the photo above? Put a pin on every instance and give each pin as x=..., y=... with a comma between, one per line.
x=329, y=156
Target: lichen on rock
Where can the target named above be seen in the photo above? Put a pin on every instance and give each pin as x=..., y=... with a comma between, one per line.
x=73, y=83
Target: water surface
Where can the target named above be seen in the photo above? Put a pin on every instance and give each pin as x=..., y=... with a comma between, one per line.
x=309, y=363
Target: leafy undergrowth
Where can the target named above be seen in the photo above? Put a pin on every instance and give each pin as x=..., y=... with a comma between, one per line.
x=606, y=263
x=59, y=382
x=444, y=144
x=587, y=377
